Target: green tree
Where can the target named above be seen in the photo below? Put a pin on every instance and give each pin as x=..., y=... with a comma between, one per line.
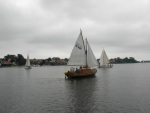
x=49, y=59
x=43, y=62
x=20, y=60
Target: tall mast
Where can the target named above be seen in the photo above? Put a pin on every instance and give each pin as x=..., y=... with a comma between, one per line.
x=85, y=47
x=82, y=38
x=86, y=52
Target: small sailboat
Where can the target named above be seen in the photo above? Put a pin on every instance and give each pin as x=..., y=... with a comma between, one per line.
x=27, y=65
x=82, y=55
x=104, y=61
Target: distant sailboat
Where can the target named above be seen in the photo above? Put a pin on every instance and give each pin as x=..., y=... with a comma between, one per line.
x=104, y=61
x=81, y=55
x=27, y=65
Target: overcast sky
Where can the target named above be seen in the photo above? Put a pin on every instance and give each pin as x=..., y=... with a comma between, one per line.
x=49, y=28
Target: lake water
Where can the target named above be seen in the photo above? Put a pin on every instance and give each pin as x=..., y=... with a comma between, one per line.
x=125, y=88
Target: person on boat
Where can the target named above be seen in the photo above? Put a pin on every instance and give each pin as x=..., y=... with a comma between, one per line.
x=77, y=70
x=80, y=67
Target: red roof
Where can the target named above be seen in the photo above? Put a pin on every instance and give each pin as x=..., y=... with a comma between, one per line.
x=8, y=62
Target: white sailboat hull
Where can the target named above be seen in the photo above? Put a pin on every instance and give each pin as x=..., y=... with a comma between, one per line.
x=106, y=66
x=28, y=67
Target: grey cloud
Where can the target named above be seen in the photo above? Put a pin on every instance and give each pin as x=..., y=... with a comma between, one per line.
x=53, y=26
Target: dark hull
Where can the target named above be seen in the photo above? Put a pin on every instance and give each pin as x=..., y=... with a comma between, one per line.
x=88, y=73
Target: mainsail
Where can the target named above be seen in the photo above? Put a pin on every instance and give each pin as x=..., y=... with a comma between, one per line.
x=27, y=62
x=77, y=57
x=104, y=59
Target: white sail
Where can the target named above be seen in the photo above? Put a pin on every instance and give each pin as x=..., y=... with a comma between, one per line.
x=91, y=60
x=104, y=59
x=101, y=59
x=27, y=62
x=77, y=56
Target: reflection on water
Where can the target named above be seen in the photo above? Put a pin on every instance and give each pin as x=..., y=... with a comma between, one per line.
x=81, y=95
x=123, y=88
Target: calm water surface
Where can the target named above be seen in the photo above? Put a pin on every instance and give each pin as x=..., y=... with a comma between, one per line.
x=125, y=88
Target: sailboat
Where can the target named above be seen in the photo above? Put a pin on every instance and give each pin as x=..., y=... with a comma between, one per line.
x=104, y=61
x=27, y=65
x=82, y=55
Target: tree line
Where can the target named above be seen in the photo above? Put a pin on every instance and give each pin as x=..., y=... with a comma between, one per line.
x=123, y=60
x=19, y=60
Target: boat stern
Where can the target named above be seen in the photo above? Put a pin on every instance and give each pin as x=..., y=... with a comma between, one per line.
x=65, y=73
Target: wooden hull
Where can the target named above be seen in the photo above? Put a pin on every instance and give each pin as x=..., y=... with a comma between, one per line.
x=81, y=73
